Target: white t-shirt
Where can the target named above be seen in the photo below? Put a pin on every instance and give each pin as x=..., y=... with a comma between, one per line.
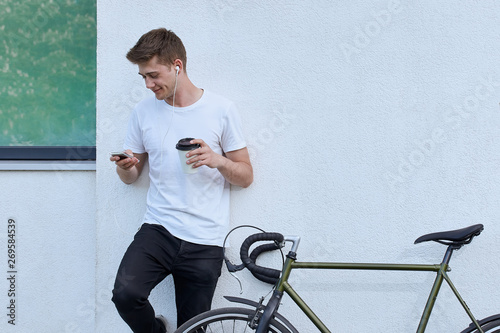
x=193, y=207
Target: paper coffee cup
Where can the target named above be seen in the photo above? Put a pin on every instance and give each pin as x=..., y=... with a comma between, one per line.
x=183, y=146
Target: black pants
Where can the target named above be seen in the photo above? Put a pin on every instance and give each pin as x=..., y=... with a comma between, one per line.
x=153, y=254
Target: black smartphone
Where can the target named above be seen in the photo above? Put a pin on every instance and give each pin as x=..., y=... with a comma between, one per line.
x=122, y=155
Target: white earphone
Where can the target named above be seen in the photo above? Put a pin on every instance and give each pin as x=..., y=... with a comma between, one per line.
x=177, y=69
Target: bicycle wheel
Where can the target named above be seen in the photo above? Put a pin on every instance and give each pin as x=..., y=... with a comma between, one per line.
x=227, y=320
x=488, y=325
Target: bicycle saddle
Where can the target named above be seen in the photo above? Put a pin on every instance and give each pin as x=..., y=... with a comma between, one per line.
x=460, y=236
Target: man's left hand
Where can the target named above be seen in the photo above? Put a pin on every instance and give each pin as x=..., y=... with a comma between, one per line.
x=204, y=156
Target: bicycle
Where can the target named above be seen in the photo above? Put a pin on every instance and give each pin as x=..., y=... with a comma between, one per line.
x=265, y=318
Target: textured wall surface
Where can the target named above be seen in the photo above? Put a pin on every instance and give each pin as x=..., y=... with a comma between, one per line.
x=369, y=124
x=54, y=279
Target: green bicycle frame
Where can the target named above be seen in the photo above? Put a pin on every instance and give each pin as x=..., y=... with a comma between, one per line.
x=441, y=269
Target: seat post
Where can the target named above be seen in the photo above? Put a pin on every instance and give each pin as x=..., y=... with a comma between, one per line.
x=449, y=251
x=437, y=286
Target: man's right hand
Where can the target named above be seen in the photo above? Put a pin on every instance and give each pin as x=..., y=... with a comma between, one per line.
x=125, y=163
x=129, y=169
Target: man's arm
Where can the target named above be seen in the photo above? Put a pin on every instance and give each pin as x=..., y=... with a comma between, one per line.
x=129, y=169
x=235, y=166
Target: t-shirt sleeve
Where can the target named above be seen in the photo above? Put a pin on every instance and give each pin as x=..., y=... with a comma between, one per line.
x=232, y=133
x=133, y=139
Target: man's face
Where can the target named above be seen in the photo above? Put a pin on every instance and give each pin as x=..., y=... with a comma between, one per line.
x=159, y=78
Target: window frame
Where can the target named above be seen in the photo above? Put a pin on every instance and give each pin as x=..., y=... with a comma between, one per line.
x=47, y=153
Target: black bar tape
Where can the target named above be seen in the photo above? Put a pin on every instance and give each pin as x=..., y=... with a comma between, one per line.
x=268, y=275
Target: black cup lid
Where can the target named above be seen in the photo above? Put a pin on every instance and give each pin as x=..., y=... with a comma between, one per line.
x=184, y=144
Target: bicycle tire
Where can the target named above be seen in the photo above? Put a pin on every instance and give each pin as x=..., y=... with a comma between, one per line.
x=226, y=320
x=488, y=325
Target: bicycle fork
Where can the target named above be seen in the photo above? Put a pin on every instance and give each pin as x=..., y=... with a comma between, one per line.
x=269, y=311
x=274, y=303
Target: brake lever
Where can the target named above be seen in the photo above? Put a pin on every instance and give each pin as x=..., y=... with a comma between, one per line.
x=232, y=267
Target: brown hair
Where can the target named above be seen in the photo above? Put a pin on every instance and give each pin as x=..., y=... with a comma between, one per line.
x=158, y=42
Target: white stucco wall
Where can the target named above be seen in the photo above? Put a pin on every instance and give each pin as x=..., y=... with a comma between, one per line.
x=369, y=124
x=53, y=287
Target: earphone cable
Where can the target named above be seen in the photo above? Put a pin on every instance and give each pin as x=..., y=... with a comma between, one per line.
x=168, y=129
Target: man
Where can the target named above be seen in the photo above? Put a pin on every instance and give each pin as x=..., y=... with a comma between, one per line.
x=187, y=214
